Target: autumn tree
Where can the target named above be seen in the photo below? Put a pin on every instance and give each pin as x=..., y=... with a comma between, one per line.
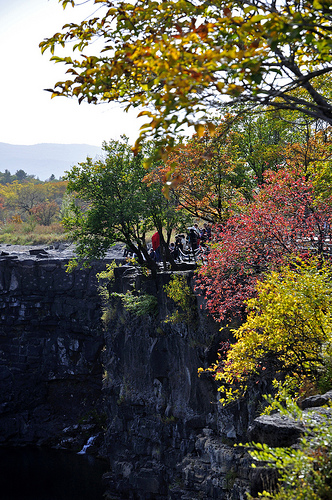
x=22, y=197
x=310, y=148
x=288, y=329
x=45, y=212
x=285, y=218
x=170, y=56
x=207, y=176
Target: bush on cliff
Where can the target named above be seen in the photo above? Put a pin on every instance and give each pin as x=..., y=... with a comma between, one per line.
x=182, y=295
x=288, y=330
x=285, y=218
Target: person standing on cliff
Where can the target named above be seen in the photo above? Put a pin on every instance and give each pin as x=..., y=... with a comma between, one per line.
x=193, y=239
x=155, y=240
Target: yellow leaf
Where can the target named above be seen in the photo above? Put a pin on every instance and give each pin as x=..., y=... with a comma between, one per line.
x=199, y=129
x=165, y=191
x=145, y=126
x=146, y=113
x=147, y=163
x=211, y=127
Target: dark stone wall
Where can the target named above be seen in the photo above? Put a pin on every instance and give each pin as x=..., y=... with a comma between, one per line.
x=165, y=435
x=65, y=377
x=50, y=342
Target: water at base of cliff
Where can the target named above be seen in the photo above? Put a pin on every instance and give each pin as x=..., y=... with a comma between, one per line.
x=40, y=474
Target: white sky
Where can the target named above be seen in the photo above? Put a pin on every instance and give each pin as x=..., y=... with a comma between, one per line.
x=28, y=114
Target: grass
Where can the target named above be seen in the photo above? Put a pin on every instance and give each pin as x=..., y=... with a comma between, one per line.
x=31, y=234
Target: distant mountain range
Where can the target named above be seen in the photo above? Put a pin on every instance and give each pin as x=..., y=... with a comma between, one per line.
x=43, y=160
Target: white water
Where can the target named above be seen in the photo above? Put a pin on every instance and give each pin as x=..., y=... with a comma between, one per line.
x=89, y=443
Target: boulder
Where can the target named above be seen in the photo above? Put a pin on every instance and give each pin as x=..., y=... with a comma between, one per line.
x=275, y=430
x=317, y=400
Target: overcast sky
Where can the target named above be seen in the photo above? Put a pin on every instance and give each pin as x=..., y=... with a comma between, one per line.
x=28, y=114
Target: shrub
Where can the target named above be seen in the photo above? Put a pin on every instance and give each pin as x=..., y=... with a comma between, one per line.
x=139, y=305
x=180, y=292
x=289, y=326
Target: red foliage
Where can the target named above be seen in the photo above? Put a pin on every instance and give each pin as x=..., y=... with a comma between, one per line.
x=44, y=212
x=283, y=220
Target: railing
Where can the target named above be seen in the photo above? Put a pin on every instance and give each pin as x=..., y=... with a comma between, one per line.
x=192, y=255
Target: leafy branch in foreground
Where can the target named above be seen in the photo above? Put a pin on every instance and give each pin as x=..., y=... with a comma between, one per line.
x=166, y=57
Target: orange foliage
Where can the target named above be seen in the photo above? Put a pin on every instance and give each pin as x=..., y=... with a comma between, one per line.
x=205, y=174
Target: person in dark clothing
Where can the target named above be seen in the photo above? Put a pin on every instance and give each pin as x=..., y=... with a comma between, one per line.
x=178, y=247
x=178, y=243
x=174, y=249
x=207, y=228
x=193, y=239
x=152, y=254
x=203, y=236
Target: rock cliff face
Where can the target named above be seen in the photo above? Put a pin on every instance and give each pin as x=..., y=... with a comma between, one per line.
x=50, y=343
x=166, y=435
x=64, y=377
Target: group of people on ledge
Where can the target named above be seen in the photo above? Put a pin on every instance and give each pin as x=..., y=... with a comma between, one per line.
x=194, y=239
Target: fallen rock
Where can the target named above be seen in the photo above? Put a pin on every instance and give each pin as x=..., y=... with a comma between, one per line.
x=317, y=400
x=275, y=430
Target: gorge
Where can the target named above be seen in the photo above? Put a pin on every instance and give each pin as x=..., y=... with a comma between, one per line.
x=131, y=384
